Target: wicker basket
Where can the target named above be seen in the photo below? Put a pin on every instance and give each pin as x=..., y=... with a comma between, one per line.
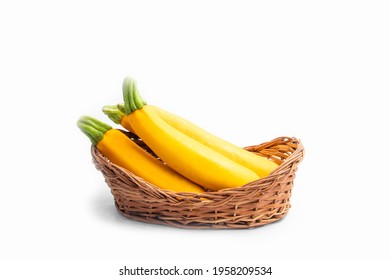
x=258, y=203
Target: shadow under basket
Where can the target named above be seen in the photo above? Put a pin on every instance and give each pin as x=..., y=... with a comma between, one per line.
x=258, y=203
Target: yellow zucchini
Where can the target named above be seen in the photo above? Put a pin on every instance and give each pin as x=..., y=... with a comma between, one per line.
x=262, y=166
x=122, y=151
x=189, y=157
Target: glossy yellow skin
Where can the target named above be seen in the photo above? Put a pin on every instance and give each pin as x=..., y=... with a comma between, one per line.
x=192, y=159
x=120, y=150
x=260, y=165
x=125, y=123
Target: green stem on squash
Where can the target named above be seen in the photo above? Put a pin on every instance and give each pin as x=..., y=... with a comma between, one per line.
x=121, y=107
x=132, y=99
x=113, y=113
x=93, y=128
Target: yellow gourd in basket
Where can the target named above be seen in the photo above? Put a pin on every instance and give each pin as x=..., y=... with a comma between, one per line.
x=122, y=151
x=192, y=159
x=260, y=165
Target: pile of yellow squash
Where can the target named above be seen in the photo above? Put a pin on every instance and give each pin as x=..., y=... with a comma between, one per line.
x=192, y=159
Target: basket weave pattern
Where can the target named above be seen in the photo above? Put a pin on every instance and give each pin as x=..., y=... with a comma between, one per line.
x=258, y=203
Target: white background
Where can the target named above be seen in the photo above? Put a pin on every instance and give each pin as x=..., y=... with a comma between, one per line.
x=248, y=71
